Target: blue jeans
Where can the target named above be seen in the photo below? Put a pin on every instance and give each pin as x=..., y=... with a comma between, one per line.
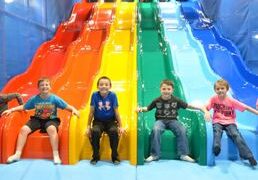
x=179, y=131
x=235, y=135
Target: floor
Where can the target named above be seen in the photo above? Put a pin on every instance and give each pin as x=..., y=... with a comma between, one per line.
x=163, y=169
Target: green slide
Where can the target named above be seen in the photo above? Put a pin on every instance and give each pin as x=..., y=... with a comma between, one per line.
x=154, y=65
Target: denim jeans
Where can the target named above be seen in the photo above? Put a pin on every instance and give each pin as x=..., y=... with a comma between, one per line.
x=235, y=135
x=179, y=131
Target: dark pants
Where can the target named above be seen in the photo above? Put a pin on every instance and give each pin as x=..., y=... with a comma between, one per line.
x=110, y=127
x=235, y=135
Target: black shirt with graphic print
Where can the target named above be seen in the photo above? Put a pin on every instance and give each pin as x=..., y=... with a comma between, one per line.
x=167, y=109
x=5, y=98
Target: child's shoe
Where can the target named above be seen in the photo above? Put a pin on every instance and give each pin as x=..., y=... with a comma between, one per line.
x=57, y=160
x=94, y=161
x=151, y=158
x=116, y=161
x=216, y=150
x=14, y=158
x=187, y=158
x=252, y=161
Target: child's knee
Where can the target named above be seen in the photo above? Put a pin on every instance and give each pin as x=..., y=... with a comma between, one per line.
x=25, y=130
x=51, y=130
x=96, y=131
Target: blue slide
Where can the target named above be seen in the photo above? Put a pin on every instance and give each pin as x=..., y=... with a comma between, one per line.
x=225, y=60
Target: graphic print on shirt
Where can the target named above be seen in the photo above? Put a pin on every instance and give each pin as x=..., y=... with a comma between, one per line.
x=44, y=111
x=167, y=110
x=223, y=110
x=105, y=107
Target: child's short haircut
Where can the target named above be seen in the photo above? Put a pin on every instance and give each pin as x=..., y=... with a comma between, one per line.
x=43, y=79
x=221, y=82
x=167, y=82
x=104, y=77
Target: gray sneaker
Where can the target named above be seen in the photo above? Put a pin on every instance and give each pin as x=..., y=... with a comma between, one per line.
x=187, y=158
x=151, y=158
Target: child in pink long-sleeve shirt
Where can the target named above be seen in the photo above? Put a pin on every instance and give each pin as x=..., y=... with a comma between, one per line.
x=224, y=118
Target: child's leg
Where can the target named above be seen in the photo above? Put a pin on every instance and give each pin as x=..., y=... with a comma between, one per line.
x=96, y=131
x=22, y=137
x=182, y=142
x=51, y=128
x=112, y=132
x=157, y=131
x=237, y=138
x=180, y=132
x=217, y=134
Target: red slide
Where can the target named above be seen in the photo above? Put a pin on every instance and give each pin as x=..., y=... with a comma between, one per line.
x=49, y=60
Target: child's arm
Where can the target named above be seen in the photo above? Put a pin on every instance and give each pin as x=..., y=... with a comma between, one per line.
x=121, y=130
x=9, y=111
x=73, y=110
x=207, y=115
x=252, y=110
x=90, y=118
x=16, y=96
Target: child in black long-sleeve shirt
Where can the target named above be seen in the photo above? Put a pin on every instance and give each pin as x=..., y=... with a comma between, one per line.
x=5, y=98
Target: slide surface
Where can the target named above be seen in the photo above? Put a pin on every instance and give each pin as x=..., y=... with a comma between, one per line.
x=225, y=61
x=119, y=64
x=154, y=65
x=49, y=61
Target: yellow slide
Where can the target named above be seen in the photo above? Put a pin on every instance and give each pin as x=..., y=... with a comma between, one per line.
x=119, y=64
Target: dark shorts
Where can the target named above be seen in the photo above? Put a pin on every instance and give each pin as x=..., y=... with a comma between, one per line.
x=36, y=123
x=105, y=126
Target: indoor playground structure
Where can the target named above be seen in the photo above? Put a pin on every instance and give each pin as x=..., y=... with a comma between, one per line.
x=136, y=44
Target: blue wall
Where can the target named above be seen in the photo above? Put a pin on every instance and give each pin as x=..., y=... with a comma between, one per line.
x=24, y=25
x=237, y=21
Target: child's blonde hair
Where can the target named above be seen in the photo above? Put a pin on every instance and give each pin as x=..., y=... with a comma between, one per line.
x=221, y=82
x=167, y=82
x=43, y=79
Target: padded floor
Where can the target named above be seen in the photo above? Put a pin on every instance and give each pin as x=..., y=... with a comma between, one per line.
x=163, y=169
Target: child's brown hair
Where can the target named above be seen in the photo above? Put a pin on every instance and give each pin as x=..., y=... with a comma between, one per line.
x=104, y=77
x=221, y=82
x=43, y=79
x=167, y=82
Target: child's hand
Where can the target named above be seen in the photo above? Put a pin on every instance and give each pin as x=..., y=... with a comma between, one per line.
x=7, y=112
x=140, y=109
x=76, y=112
x=121, y=131
x=207, y=116
x=88, y=132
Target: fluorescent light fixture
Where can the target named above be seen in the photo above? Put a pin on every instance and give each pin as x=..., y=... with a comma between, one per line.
x=255, y=36
x=8, y=1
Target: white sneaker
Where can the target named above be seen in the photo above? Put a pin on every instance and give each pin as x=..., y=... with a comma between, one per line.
x=57, y=160
x=151, y=158
x=13, y=158
x=187, y=158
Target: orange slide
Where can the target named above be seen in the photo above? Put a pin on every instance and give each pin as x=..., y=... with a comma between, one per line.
x=48, y=61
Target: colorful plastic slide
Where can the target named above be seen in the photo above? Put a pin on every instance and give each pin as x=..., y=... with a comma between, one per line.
x=118, y=63
x=48, y=61
x=189, y=59
x=225, y=60
x=154, y=65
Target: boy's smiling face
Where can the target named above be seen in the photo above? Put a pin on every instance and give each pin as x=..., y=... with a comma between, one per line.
x=166, y=91
x=221, y=91
x=104, y=86
x=44, y=87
